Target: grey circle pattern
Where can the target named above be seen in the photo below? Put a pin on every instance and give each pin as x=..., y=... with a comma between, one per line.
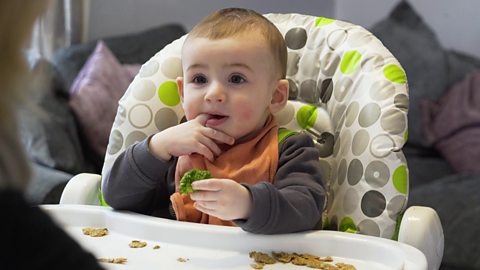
x=310, y=64
x=350, y=200
x=342, y=88
x=369, y=114
x=336, y=38
x=382, y=90
x=296, y=38
x=373, y=203
x=359, y=38
x=293, y=90
x=351, y=114
x=121, y=116
x=143, y=90
x=355, y=172
x=149, y=68
x=338, y=115
x=115, y=142
x=326, y=169
x=134, y=137
x=336, y=146
x=324, y=144
x=395, y=206
x=381, y=145
x=377, y=174
x=371, y=63
x=388, y=231
x=292, y=63
x=140, y=116
x=329, y=63
x=393, y=121
x=360, y=142
x=325, y=88
x=369, y=227
x=401, y=102
x=165, y=118
x=172, y=67
x=342, y=171
x=308, y=92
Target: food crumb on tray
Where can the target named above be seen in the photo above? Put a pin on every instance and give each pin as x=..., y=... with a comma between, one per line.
x=95, y=232
x=309, y=260
x=182, y=259
x=156, y=247
x=113, y=260
x=137, y=244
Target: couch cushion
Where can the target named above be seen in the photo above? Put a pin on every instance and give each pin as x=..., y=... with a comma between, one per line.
x=47, y=125
x=129, y=49
x=95, y=94
x=416, y=47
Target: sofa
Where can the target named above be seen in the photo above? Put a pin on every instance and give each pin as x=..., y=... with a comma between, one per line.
x=61, y=143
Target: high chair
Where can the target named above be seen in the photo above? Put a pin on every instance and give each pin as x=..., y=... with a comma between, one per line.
x=346, y=90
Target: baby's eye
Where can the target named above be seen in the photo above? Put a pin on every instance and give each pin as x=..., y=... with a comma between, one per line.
x=199, y=79
x=236, y=79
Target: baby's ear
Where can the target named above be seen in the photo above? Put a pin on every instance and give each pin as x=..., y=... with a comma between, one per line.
x=180, y=87
x=279, y=96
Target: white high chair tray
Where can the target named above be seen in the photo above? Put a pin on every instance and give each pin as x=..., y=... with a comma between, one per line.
x=216, y=247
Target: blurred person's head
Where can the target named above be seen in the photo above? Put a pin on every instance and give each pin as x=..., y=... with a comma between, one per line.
x=16, y=20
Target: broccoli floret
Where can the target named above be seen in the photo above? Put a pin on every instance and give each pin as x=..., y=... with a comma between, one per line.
x=191, y=176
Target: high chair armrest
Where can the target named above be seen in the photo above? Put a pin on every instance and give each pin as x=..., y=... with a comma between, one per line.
x=421, y=227
x=82, y=189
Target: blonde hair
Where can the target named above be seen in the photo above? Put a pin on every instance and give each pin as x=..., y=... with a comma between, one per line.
x=16, y=20
x=231, y=22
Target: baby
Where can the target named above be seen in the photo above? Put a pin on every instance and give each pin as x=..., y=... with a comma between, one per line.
x=234, y=68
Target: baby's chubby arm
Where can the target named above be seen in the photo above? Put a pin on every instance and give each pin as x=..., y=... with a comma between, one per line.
x=188, y=138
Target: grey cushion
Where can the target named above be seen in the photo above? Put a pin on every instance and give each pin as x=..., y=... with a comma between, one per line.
x=129, y=49
x=456, y=201
x=46, y=185
x=47, y=127
x=417, y=49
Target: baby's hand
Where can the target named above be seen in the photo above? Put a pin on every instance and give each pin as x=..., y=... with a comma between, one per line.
x=222, y=198
x=187, y=138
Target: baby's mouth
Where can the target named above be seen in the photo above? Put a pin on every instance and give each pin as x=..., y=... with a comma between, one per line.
x=216, y=119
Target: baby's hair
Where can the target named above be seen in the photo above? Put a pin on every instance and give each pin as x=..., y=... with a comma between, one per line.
x=231, y=22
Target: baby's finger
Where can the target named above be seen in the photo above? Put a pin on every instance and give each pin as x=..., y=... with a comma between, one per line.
x=207, y=185
x=202, y=119
x=211, y=145
x=203, y=196
x=211, y=206
x=218, y=136
x=205, y=151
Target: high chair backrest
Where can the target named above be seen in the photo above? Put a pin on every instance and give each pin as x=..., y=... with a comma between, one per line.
x=346, y=90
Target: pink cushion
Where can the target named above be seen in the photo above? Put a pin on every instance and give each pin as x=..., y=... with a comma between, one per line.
x=452, y=124
x=95, y=93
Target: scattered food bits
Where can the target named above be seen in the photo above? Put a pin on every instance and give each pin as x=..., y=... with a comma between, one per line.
x=309, y=260
x=257, y=265
x=261, y=257
x=113, y=260
x=137, y=244
x=95, y=232
x=182, y=259
x=156, y=247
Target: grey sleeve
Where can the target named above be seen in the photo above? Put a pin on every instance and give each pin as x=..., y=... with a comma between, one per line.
x=295, y=201
x=140, y=182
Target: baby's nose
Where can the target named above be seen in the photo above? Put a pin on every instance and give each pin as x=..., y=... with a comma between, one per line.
x=216, y=93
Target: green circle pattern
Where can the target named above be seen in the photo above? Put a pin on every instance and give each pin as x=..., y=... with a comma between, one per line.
x=400, y=179
x=168, y=93
x=322, y=21
x=306, y=116
x=350, y=61
x=347, y=225
x=395, y=74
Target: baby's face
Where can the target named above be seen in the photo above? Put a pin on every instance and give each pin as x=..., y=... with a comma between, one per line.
x=231, y=80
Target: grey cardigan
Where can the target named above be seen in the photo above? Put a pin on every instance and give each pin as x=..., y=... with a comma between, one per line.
x=141, y=183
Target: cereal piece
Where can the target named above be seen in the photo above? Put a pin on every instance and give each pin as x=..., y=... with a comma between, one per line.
x=257, y=265
x=309, y=256
x=137, y=244
x=299, y=260
x=345, y=266
x=283, y=257
x=182, y=259
x=261, y=257
x=327, y=259
x=156, y=247
x=113, y=260
x=95, y=232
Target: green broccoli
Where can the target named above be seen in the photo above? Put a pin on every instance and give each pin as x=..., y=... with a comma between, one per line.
x=191, y=176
